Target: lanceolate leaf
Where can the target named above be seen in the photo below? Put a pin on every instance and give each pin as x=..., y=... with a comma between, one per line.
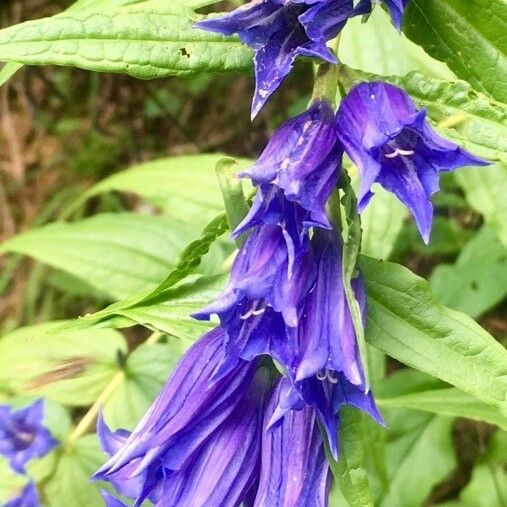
x=447, y=401
x=468, y=36
x=486, y=191
x=185, y=187
x=350, y=469
x=408, y=323
x=71, y=367
x=117, y=253
x=144, y=39
x=419, y=457
x=478, y=279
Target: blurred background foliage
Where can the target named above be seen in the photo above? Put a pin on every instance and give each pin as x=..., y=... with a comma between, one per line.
x=92, y=210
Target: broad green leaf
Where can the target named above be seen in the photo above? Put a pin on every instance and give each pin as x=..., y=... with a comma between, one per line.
x=70, y=367
x=451, y=402
x=188, y=261
x=468, y=35
x=407, y=322
x=117, y=253
x=381, y=222
x=146, y=371
x=144, y=39
x=412, y=389
x=419, y=456
x=485, y=190
x=478, y=279
x=350, y=469
x=185, y=187
x=70, y=484
x=376, y=46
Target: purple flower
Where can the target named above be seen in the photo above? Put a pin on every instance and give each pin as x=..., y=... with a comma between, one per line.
x=392, y=143
x=23, y=435
x=325, y=334
x=206, y=443
x=199, y=444
x=27, y=498
x=294, y=469
x=281, y=30
x=247, y=306
x=395, y=8
x=326, y=370
x=110, y=500
x=325, y=395
x=301, y=164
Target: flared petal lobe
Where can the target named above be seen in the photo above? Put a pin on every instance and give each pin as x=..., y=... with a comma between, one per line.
x=281, y=31
x=27, y=498
x=199, y=444
x=393, y=144
x=23, y=436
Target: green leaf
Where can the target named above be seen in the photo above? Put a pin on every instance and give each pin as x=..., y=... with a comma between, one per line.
x=170, y=316
x=8, y=70
x=165, y=292
x=485, y=190
x=406, y=322
x=143, y=39
x=70, y=484
x=146, y=372
x=478, y=279
x=451, y=402
x=412, y=389
x=184, y=187
x=117, y=253
x=350, y=469
x=70, y=367
x=376, y=46
x=488, y=486
x=468, y=36
x=419, y=456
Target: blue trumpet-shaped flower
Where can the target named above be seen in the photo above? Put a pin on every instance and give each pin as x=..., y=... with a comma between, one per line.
x=392, y=143
x=281, y=30
x=199, y=444
x=325, y=393
x=27, y=498
x=301, y=165
x=23, y=435
x=206, y=442
x=395, y=8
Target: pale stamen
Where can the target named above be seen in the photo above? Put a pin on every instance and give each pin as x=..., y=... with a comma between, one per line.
x=398, y=151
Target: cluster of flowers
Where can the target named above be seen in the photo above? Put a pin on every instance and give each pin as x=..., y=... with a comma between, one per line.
x=245, y=417
x=249, y=411
x=23, y=437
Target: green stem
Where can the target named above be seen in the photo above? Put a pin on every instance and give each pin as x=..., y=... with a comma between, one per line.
x=327, y=78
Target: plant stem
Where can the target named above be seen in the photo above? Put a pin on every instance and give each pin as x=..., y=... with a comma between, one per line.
x=326, y=79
